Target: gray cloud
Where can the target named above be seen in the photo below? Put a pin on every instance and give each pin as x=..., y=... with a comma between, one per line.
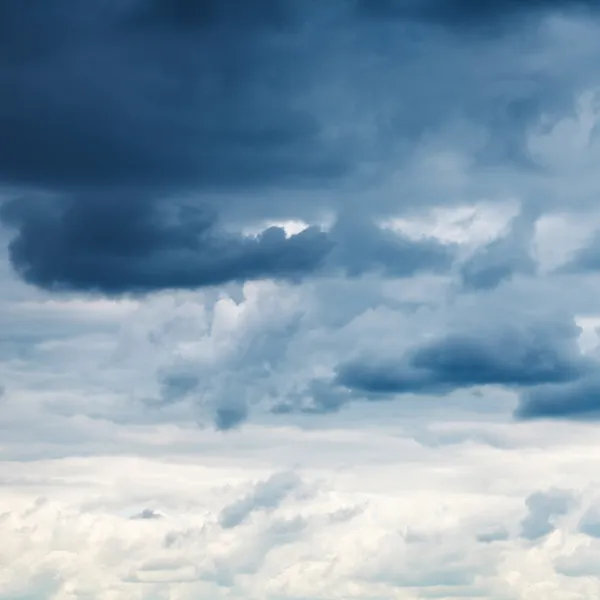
x=266, y=495
x=361, y=247
x=230, y=414
x=501, y=259
x=493, y=535
x=317, y=397
x=590, y=522
x=587, y=259
x=543, y=507
x=147, y=514
x=176, y=386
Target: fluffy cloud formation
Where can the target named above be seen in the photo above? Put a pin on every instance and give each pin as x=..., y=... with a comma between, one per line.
x=327, y=529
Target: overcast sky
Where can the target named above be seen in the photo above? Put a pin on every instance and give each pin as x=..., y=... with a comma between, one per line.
x=299, y=299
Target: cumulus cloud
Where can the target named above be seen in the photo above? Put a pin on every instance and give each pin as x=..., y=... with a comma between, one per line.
x=85, y=543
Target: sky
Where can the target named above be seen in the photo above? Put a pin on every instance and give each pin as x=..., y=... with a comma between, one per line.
x=299, y=299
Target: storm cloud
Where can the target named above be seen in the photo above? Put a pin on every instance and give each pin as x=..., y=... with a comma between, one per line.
x=121, y=244
x=115, y=114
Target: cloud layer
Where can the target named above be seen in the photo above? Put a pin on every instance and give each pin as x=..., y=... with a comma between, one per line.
x=166, y=129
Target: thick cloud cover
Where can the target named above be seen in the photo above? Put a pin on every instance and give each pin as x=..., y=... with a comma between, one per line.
x=471, y=12
x=114, y=115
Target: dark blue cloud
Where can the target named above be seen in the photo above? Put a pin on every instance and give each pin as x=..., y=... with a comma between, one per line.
x=209, y=13
x=486, y=14
x=116, y=108
x=121, y=245
x=574, y=400
x=203, y=94
x=170, y=94
x=522, y=356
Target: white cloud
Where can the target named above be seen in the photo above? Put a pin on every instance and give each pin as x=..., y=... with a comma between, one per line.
x=381, y=516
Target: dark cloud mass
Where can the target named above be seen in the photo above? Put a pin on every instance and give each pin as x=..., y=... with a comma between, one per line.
x=113, y=110
x=521, y=356
x=153, y=94
x=579, y=399
x=469, y=14
x=123, y=245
